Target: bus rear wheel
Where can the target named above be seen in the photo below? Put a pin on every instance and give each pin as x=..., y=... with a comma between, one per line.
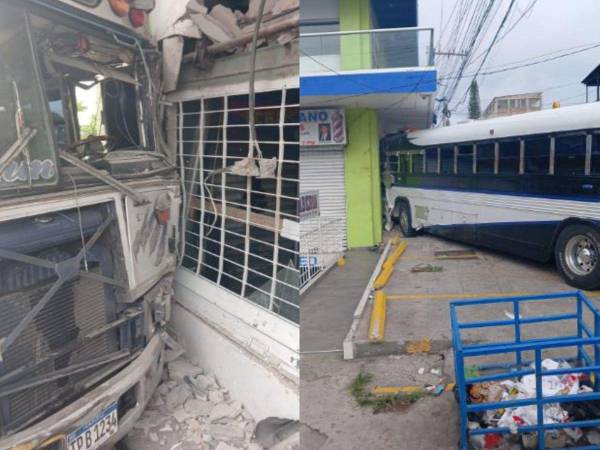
x=577, y=254
x=405, y=220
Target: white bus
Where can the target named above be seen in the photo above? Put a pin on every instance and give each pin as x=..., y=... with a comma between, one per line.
x=527, y=184
x=89, y=223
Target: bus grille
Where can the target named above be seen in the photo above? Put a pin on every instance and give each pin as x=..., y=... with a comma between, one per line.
x=78, y=308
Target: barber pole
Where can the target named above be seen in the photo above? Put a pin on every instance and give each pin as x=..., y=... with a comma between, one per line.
x=337, y=125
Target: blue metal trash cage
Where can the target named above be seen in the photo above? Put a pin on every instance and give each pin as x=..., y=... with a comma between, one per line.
x=587, y=337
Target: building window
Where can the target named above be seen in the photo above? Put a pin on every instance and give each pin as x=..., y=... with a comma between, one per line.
x=486, y=156
x=464, y=163
x=431, y=160
x=534, y=103
x=236, y=225
x=447, y=160
x=509, y=157
x=569, y=154
x=537, y=155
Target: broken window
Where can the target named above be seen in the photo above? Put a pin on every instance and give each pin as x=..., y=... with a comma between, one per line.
x=92, y=93
x=239, y=231
x=27, y=155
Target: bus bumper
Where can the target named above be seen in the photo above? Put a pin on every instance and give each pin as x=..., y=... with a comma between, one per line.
x=139, y=379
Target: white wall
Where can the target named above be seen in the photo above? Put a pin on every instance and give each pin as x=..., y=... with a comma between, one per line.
x=252, y=352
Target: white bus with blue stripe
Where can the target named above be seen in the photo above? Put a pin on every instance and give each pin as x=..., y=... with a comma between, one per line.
x=527, y=184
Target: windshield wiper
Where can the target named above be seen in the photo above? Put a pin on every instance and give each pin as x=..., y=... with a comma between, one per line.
x=17, y=148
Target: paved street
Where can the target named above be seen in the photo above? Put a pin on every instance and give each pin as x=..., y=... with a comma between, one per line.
x=417, y=309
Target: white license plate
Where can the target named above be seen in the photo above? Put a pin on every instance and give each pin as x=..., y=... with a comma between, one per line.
x=95, y=433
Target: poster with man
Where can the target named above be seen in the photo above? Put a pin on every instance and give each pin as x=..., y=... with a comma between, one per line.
x=322, y=127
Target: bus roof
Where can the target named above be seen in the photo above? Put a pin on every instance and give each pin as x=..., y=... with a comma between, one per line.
x=570, y=118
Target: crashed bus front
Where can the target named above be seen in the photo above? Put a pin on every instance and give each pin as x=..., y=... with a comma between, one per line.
x=89, y=227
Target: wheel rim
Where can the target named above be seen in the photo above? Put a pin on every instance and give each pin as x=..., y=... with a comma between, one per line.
x=404, y=221
x=581, y=255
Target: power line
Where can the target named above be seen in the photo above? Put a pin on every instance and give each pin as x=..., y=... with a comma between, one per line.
x=533, y=63
x=512, y=27
x=475, y=26
x=576, y=47
x=489, y=49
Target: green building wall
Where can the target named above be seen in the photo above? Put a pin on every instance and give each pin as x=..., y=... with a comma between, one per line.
x=363, y=188
x=363, y=191
x=355, y=49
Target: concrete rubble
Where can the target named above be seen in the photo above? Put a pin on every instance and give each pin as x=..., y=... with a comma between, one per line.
x=190, y=410
x=222, y=26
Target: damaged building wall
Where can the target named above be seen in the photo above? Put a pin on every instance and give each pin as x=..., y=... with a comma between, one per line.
x=237, y=289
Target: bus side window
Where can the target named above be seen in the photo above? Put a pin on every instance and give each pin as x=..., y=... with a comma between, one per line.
x=569, y=154
x=595, y=163
x=537, y=155
x=417, y=162
x=509, y=156
x=447, y=160
x=431, y=160
x=403, y=164
x=486, y=155
x=464, y=164
x=393, y=165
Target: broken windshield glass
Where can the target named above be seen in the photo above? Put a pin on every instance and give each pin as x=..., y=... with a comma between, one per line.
x=27, y=155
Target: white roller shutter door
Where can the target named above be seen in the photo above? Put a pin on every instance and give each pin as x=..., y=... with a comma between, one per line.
x=323, y=170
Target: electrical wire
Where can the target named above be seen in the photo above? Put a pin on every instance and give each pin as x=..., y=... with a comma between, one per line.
x=512, y=27
x=507, y=68
x=251, y=91
x=489, y=50
x=482, y=14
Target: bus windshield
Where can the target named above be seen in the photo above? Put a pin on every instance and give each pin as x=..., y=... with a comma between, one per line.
x=27, y=154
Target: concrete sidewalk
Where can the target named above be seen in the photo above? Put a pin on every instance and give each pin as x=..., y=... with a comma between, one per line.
x=326, y=309
x=332, y=418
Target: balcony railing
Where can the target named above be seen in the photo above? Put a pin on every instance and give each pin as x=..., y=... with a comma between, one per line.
x=366, y=49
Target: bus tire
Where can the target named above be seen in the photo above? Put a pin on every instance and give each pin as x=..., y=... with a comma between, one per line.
x=405, y=220
x=577, y=255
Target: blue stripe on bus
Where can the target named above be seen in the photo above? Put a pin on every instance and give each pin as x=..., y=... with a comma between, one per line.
x=592, y=198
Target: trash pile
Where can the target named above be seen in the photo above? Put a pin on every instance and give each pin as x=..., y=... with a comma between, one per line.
x=196, y=34
x=513, y=417
x=190, y=410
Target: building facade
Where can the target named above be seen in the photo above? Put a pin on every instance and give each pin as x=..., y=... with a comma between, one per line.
x=509, y=105
x=237, y=301
x=367, y=64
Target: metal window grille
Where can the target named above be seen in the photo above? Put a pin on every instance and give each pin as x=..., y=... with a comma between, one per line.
x=321, y=245
x=240, y=230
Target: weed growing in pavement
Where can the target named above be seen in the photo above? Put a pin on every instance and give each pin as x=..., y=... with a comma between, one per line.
x=380, y=403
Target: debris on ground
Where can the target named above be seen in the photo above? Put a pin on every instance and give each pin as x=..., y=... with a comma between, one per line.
x=456, y=254
x=514, y=417
x=421, y=268
x=436, y=372
x=414, y=347
x=191, y=410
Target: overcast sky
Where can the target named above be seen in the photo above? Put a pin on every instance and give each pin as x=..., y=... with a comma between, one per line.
x=551, y=25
